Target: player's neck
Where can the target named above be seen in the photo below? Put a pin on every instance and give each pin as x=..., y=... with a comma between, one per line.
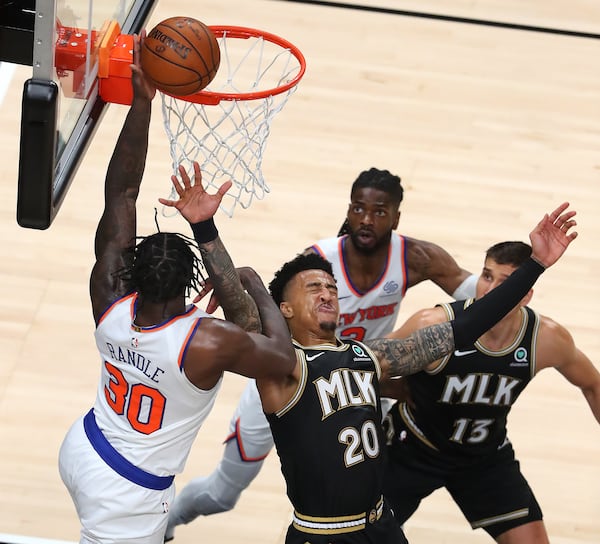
x=149, y=314
x=365, y=269
x=504, y=333
x=312, y=338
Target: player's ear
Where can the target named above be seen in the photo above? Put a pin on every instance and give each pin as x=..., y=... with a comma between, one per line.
x=527, y=298
x=286, y=310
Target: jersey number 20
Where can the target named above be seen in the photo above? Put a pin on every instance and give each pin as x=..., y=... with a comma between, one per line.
x=360, y=443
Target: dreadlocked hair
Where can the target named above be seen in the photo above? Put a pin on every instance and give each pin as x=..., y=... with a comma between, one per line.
x=165, y=265
x=302, y=262
x=344, y=229
x=382, y=180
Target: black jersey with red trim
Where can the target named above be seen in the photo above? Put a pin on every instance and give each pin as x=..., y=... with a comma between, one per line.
x=462, y=405
x=328, y=437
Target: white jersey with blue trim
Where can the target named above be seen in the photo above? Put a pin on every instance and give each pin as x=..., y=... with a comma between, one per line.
x=372, y=313
x=146, y=407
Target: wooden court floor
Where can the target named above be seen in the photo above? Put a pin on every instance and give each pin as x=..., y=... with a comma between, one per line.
x=488, y=127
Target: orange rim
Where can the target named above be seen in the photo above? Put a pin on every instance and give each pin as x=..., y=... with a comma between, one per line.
x=242, y=32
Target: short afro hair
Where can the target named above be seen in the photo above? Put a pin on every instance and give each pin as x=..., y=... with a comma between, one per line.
x=302, y=262
x=382, y=180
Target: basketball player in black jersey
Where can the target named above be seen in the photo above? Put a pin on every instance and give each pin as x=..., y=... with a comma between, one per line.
x=325, y=415
x=374, y=266
x=452, y=432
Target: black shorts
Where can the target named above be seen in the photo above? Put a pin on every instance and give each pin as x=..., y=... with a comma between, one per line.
x=383, y=531
x=490, y=490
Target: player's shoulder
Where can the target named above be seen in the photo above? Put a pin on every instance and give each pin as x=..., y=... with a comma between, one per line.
x=421, y=319
x=325, y=246
x=554, y=343
x=424, y=247
x=432, y=316
x=218, y=335
x=553, y=332
x=429, y=261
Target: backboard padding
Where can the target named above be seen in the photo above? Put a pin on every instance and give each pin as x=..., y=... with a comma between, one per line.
x=61, y=107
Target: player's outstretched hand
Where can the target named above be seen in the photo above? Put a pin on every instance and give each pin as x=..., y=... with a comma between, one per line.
x=142, y=86
x=552, y=235
x=194, y=203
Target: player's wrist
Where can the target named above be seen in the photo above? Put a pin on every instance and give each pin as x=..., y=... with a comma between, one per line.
x=535, y=264
x=205, y=231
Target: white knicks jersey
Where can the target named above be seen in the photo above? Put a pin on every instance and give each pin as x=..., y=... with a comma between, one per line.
x=145, y=406
x=373, y=313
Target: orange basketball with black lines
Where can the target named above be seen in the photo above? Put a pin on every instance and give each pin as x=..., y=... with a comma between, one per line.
x=180, y=55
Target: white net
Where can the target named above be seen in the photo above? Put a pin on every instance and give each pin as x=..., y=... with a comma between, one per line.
x=228, y=139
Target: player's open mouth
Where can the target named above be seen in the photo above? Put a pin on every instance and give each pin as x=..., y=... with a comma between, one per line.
x=365, y=236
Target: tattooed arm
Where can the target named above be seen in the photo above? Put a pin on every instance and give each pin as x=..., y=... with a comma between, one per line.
x=402, y=356
x=238, y=306
x=115, y=235
x=198, y=208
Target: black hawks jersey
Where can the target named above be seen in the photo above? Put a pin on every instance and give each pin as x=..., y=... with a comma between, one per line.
x=328, y=437
x=461, y=406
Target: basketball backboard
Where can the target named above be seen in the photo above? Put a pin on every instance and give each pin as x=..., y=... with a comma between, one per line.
x=61, y=106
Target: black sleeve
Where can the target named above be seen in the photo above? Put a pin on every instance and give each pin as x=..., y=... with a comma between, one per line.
x=484, y=313
x=205, y=231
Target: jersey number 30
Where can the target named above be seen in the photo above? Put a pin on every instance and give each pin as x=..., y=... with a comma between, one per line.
x=129, y=400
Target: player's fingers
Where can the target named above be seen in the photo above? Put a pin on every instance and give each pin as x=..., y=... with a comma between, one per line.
x=178, y=188
x=224, y=188
x=556, y=213
x=565, y=217
x=167, y=202
x=198, y=175
x=540, y=226
x=184, y=176
x=213, y=304
x=568, y=225
x=136, y=47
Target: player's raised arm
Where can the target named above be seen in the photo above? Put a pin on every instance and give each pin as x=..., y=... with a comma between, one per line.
x=549, y=239
x=116, y=231
x=198, y=208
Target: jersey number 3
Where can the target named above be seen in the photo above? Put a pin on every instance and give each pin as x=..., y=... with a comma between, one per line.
x=134, y=400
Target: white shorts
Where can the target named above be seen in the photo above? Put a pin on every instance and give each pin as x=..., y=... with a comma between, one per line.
x=249, y=426
x=111, y=509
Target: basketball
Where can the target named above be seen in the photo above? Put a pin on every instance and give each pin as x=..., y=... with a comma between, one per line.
x=180, y=55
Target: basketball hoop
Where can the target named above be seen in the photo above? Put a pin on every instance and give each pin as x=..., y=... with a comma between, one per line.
x=225, y=126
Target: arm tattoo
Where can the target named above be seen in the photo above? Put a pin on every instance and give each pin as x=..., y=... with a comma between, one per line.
x=412, y=354
x=237, y=305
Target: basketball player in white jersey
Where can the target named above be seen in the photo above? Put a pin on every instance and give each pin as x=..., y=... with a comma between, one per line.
x=162, y=361
x=373, y=266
